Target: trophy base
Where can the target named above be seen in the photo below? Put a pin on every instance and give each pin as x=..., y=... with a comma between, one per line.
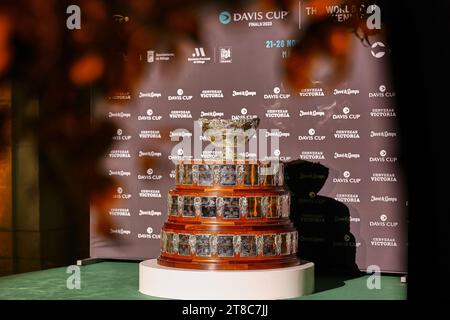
x=268, y=284
x=229, y=264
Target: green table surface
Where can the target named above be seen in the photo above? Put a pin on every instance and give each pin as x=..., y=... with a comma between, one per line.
x=120, y=280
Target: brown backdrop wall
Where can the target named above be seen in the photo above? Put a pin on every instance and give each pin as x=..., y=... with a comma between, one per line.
x=354, y=135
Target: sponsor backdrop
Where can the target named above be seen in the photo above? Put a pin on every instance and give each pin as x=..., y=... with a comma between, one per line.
x=237, y=71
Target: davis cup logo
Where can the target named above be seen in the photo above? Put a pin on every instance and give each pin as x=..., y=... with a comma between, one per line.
x=311, y=136
x=346, y=174
x=149, y=234
x=383, y=217
x=149, y=112
x=225, y=17
x=180, y=94
x=378, y=50
x=244, y=111
x=150, y=171
x=346, y=110
x=276, y=90
x=119, y=135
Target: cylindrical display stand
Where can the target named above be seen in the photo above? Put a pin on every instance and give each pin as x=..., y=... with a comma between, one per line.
x=175, y=283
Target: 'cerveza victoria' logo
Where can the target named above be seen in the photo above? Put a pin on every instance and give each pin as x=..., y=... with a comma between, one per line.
x=225, y=17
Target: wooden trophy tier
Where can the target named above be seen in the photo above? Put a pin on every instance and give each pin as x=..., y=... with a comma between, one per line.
x=228, y=217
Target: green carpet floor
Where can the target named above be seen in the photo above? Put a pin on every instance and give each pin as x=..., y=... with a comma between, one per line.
x=119, y=280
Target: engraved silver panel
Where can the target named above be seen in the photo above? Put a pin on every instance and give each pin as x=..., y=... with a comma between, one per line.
x=175, y=240
x=243, y=206
x=220, y=203
x=237, y=244
x=169, y=246
x=260, y=170
x=203, y=245
x=276, y=174
x=240, y=174
x=198, y=206
x=188, y=207
x=296, y=241
x=225, y=246
x=206, y=245
x=294, y=238
x=173, y=205
x=264, y=206
x=281, y=175
x=205, y=175
x=181, y=173
x=266, y=175
x=251, y=177
x=288, y=243
x=169, y=205
x=269, y=246
x=280, y=206
x=286, y=205
x=216, y=174
x=213, y=244
x=231, y=208
x=208, y=207
x=192, y=243
x=183, y=245
x=180, y=205
x=163, y=241
x=187, y=174
x=259, y=245
x=272, y=207
x=278, y=244
x=248, y=246
x=228, y=175
x=195, y=174
x=254, y=208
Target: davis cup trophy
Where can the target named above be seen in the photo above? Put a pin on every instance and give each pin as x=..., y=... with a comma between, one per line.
x=231, y=214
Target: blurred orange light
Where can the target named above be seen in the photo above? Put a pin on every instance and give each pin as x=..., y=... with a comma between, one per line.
x=86, y=69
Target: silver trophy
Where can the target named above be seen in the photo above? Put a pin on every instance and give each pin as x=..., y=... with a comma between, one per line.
x=229, y=136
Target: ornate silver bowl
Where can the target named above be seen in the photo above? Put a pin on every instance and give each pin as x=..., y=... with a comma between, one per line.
x=228, y=131
x=229, y=135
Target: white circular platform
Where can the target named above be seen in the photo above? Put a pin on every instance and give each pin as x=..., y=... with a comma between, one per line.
x=269, y=284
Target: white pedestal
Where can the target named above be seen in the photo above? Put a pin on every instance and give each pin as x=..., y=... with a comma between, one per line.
x=174, y=283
